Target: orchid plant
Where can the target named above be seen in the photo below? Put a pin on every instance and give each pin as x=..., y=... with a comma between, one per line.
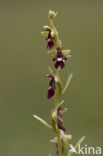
x=59, y=56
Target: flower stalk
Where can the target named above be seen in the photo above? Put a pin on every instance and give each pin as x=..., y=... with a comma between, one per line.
x=56, y=87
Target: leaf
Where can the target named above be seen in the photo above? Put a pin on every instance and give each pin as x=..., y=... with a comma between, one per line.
x=67, y=83
x=79, y=142
x=54, y=115
x=60, y=103
x=42, y=121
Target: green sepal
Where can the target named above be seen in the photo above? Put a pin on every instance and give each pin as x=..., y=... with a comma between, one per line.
x=52, y=52
x=44, y=33
x=63, y=110
x=53, y=120
x=66, y=52
x=54, y=140
x=52, y=33
x=46, y=27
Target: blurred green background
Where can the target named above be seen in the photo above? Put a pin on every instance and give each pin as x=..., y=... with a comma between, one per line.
x=24, y=62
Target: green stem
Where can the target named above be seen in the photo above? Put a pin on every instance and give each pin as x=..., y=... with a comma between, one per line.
x=57, y=102
x=59, y=143
x=58, y=85
x=57, y=97
x=56, y=37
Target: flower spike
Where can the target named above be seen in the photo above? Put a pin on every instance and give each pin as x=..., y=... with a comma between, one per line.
x=56, y=88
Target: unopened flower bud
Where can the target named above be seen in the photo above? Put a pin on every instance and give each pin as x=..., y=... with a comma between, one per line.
x=52, y=14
